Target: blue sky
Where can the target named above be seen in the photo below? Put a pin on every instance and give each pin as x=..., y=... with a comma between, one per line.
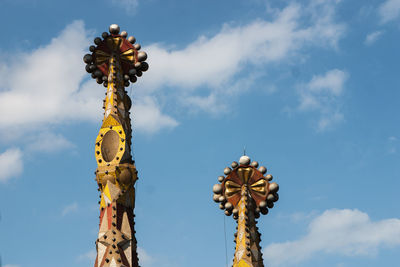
x=310, y=88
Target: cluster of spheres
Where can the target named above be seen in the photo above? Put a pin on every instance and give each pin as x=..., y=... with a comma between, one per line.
x=260, y=191
x=132, y=60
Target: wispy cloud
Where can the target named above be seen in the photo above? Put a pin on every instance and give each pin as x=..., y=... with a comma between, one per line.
x=372, y=37
x=389, y=10
x=393, y=144
x=321, y=95
x=204, y=71
x=50, y=92
x=69, y=209
x=88, y=256
x=340, y=232
x=11, y=164
x=49, y=143
x=11, y=265
x=129, y=5
x=151, y=119
x=144, y=258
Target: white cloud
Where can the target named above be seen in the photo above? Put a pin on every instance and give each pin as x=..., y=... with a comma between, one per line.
x=389, y=10
x=215, y=61
x=148, y=117
x=11, y=164
x=372, y=37
x=69, y=209
x=88, y=256
x=321, y=94
x=145, y=259
x=43, y=86
x=129, y=5
x=49, y=142
x=204, y=74
x=393, y=144
x=339, y=232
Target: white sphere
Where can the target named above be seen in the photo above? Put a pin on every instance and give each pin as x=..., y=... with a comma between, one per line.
x=227, y=171
x=273, y=187
x=217, y=189
x=132, y=39
x=269, y=177
x=263, y=204
x=216, y=197
x=244, y=160
x=221, y=179
x=142, y=56
x=270, y=198
x=124, y=34
x=234, y=164
x=221, y=199
x=235, y=211
x=228, y=206
x=254, y=164
x=262, y=169
x=114, y=29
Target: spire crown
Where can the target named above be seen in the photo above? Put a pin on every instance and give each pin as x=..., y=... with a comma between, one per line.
x=245, y=192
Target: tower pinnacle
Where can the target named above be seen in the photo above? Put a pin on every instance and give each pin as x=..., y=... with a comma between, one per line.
x=245, y=192
x=115, y=62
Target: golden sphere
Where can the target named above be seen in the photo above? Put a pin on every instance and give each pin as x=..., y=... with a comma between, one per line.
x=125, y=176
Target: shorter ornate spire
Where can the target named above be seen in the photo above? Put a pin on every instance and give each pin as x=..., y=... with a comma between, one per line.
x=245, y=192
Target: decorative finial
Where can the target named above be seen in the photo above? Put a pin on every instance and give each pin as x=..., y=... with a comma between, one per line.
x=111, y=45
x=245, y=193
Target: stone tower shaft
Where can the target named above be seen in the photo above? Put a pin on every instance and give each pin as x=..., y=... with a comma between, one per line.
x=247, y=237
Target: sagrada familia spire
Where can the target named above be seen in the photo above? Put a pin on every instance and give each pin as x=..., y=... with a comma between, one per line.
x=245, y=192
x=116, y=61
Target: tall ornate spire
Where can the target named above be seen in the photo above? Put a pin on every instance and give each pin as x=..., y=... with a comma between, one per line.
x=245, y=192
x=116, y=61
